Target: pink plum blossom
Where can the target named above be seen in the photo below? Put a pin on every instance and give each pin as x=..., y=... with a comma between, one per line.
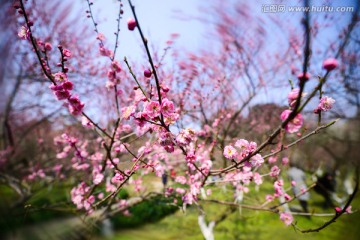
x=153, y=109
x=116, y=66
x=257, y=178
x=127, y=112
x=185, y=137
x=24, y=33
x=230, y=152
x=180, y=179
x=285, y=161
x=67, y=85
x=167, y=107
x=287, y=218
x=60, y=77
x=256, y=160
x=275, y=171
x=326, y=103
x=62, y=94
x=118, y=178
x=295, y=124
x=269, y=198
x=66, y=52
x=293, y=95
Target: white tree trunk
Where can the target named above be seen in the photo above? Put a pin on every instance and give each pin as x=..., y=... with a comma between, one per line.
x=207, y=230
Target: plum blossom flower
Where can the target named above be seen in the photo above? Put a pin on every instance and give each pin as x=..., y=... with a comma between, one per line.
x=278, y=187
x=101, y=37
x=287, y=218
x=230, y=152
x=167, y=107
x=241, y=143
x=269, y=198
x=272, y=159
x=285, y=160
x=257, y=178
x=66, y=52
x=293, y=95
x=86, y=122
x=62, y=94
x=275, y=171
x=127, y=112
x=24, y=33
x=75, y=106
x=256, y=160
x=118, y=178
x=60, y=77
x=106, y=52
x=97, y=177
x=295, y=124
x=326, y=103
x=330, y=64
x=153, y=109
x=185, y=137
x=166, y=140
x=67, y=85
x=116, y=66
x=180, y=191
x=180, y=179
x=77, y=195
x=111, y=74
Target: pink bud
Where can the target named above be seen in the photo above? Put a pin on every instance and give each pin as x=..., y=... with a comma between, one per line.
x=68, y=85
x=330, y=64
x=131, y=24
x=301, y=76
x=48, y=46
x=147, y=73
x=338, y=209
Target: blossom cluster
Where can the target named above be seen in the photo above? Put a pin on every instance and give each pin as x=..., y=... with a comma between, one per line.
x=62, y=87
x=242, y=150
x=113, y=74
x=80, y=199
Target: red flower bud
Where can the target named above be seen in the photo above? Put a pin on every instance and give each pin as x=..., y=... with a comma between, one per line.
x=301, y=76
x=330, y=64
x=147, y=73
x=131, y=24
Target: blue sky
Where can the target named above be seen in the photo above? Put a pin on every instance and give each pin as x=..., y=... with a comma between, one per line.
x=158, y=19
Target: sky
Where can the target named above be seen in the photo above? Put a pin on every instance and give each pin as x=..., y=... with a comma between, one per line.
x=158, y=20
x=161, y=18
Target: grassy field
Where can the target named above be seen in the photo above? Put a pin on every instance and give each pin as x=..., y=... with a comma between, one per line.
x=241, y=224
x=257, y=226
x=247, y=224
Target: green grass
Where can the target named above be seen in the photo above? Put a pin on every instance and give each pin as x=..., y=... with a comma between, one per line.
x=247, y=224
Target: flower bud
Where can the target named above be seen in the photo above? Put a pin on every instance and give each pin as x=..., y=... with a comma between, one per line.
x=48, y=46
x=330, y=64
x=131, y=24
x=303, y=77
x=147, y=73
